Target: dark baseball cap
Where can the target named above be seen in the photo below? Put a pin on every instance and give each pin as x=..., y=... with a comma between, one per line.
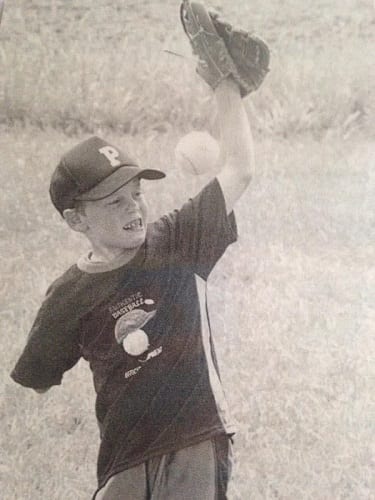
x=93, y=170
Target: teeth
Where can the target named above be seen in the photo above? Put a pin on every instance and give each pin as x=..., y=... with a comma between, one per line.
x=133, y=224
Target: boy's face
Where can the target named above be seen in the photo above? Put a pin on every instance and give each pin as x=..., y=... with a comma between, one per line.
x=119, y=221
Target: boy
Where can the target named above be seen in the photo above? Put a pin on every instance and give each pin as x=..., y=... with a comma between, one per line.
x=131, y=308
x=134, y=308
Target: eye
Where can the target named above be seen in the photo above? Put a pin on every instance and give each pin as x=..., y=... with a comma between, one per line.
x=114, y=202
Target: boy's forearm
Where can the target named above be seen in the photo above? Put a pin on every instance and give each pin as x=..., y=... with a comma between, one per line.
x=236, y=139
x=236, y=143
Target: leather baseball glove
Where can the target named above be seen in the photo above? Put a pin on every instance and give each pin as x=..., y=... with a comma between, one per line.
x=223, y=50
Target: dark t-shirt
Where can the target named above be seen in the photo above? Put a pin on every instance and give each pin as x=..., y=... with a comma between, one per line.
x=144, y=330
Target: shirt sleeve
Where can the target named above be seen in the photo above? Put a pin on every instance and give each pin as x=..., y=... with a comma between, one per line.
x=52, y=346
x=201, y=230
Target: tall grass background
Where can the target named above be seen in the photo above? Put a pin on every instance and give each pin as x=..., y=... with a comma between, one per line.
x=291, y=302
x=79, y=67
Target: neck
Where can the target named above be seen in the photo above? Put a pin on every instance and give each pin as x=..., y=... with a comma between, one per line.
x=98, y=254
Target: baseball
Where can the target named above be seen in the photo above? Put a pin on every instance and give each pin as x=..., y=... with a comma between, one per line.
x=136, y=343
x=197, y=153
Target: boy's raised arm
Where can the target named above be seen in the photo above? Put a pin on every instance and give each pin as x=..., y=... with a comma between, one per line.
x=236, y=142
x=234, y=63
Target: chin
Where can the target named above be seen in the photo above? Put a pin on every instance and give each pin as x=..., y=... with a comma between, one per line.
x=135, y=241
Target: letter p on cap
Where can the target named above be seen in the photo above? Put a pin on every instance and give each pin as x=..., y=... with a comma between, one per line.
x=111, y=154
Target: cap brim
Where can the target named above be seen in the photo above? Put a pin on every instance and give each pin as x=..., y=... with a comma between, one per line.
x=117, y=180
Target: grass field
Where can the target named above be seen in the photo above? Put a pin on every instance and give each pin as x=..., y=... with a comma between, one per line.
x=292, y=301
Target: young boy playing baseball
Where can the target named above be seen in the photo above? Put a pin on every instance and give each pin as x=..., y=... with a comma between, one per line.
x=134, y=308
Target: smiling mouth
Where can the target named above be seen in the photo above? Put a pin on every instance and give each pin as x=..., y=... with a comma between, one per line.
x=134, y=225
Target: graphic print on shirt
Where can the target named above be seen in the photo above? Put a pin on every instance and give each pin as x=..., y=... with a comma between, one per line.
x=128, y=331
x=129, y=328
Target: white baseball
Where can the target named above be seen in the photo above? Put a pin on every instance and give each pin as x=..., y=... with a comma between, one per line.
x=136, y=343
x=197, y=153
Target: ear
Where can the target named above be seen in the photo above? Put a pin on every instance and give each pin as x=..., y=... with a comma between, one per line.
x=75, y=220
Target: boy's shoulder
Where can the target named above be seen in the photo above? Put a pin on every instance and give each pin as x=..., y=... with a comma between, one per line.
x=64, y=289
x=75, y=292
x=68, y=279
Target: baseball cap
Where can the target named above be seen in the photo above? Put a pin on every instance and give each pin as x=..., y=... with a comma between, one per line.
x=93, y=170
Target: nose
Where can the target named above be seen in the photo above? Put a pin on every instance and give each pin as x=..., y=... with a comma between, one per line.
x=131, y=203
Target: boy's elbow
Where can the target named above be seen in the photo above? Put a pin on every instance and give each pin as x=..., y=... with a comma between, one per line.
x=234, y=175
x=246, y=178
x=241, y=165
x=244, y=174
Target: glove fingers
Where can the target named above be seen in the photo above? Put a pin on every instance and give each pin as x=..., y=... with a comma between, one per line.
x=222, y=50
x=215, y=63
x=249, y=53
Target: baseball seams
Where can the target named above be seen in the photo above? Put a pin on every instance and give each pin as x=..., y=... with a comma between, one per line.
x=190, y=162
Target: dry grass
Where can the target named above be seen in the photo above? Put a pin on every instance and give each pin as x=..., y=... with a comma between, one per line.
x=292, y=302
x=80, y=67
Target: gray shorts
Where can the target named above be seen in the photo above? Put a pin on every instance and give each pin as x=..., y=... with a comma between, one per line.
x=199, y=472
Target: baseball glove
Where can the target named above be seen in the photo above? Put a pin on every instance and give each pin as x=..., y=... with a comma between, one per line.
x=224, y=51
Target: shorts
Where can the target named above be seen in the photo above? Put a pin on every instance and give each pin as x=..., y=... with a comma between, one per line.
x=199, y=472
